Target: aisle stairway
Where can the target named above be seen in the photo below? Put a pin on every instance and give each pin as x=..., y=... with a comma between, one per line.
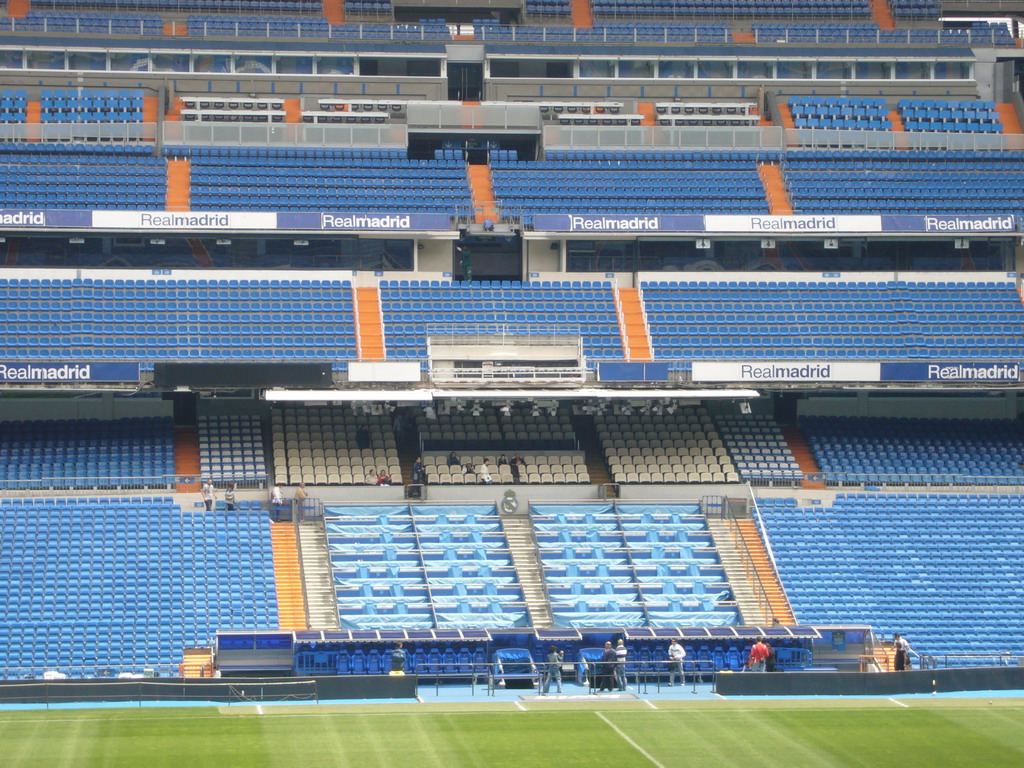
x=369, y=328
x=321, y=601
x=526, y=559
x=198, y=662
x=291, y=610
x=636, y=339
x=186, y=459
x=590, y=444
x=775, y=189
x=803, y=454
x=741, y=573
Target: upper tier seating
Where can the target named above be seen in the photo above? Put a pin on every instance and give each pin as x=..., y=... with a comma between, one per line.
x=91, y=105
x=916, y=9
x=207, y=6
x=87, y=453
x=549, y=7
x=368, y=8
x=950, y=116
x=941, y=569
x=356, y=180
x=147, y=320
x=90, y=585
x=663, y=445
x=650, y=565
x=840, y=112
x=13, y=103
x=980, y=33
x=422, y=567
x=77, y=176
x=905, y=181
x=214, y=25
x=584, y=308
x=321, y=446
x=904, y=319
x=963, y=451
x=85, y=22
x=758, y=448
x=732, y=8
x=625, y=32
x=542, y=468
x=231, y=448
x=632, y=182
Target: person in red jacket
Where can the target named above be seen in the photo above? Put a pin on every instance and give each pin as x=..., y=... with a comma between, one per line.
x=758, y=655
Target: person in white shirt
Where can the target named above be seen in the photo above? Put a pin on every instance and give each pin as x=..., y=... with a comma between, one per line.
x=484, y=473
x=209, y=495
x=276, y=497
x=620, y=665
x=676, y=654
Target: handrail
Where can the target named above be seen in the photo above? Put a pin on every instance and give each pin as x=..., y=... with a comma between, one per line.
x=298, y=553
x=749, y=567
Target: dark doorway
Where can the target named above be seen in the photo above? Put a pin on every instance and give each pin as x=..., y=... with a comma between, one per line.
x=489, y=258
x=465, y=81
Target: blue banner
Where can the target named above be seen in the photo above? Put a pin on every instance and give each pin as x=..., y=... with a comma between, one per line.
x=952, y=225
x=948, y=371
x=632, y=371
x=617, y=222
x=377, y=222
x=36, y=218
x=63, y=373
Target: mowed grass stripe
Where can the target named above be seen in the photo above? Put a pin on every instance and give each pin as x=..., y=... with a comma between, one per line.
x=975, y=735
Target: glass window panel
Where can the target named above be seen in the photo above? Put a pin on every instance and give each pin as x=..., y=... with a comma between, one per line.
x=254, y=65
x=633, y=68
x=675, y=69
x=591, y=68
x=952, y=70
x=90, y=60
x=170, y=62
x=12, y=59
x=714, y=69
x=874, y=70
x=758, y=69
x=131, y=61
x=913, y=70
x=834, y=70
x=45, y=59
x=335, y=65
x=794, y=70
x=212, y=62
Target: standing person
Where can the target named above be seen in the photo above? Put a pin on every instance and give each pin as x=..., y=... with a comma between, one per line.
x=417, y=471
x=552, y=670
x=514, y=469
x=758, y=656
x=209, y=495
x=607, y=677
x=229, y=498
x=398, y=657
x=484, y=473
x=276, y=497
x=465, y=263
x=362, y=437
x=901, y=662
x=300, y=497
x=676, y=654
x=620, y=665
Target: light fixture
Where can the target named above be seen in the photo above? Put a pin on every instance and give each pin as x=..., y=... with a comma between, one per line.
x=300, y=242
x=157, y=241
x=223, y=242
x=76, y=240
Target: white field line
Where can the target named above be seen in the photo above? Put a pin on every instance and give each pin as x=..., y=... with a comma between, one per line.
x=629, y=741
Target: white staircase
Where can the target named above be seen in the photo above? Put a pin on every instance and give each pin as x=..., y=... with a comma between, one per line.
x=751, y=610
x=526, y=559
x=321, y=602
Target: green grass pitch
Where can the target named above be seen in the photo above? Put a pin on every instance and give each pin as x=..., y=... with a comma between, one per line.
x=944, y=732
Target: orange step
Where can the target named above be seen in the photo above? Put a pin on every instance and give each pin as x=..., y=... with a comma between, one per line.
x=785, y=115
x=179, y=185
x=803, y=454
x=198, y=662
x=482, y=187
x=18, y=9
x=646, y=108
x=334, y=11
x=743, y=37
x=177, y=28
x=778, y=604
x=186, y=458
x=636, y=341
x=582, y=15
x=33, y=112
x=292, y=111
x=291, y=609
x=896, y=120
x=149, y=109
x=1008, y=117
x=881, y=14
x=369, y=328
x=174, y=113
x=775, y=189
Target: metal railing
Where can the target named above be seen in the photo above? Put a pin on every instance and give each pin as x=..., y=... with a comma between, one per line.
x=48, y=486
x=126, y=133
x=910, y=481
x=961, y=660
x=446, y=115
x=93, y=672
x=829, y=138
x=516, y=375
x=393, y=136
x=663, y=137
x=880, y=37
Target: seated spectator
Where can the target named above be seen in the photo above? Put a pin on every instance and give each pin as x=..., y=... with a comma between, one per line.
x=484, y=473
x=383, y=478
x=371, y=477
x=453, y=459
x=502, y=460
x=518, y=460
x=468, y=469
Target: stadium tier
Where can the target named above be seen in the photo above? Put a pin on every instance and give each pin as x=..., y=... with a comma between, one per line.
x=86, y=22
x=878, y=182
x=89, y=176
x=86, y=454
x=12, y=105
x=835, y=319
x=90, y=585
x=412, y=310
x=421, y=567
x=166, y=319
x=731, y=8
x=869, y=450
x=840, y=112
x=372, y=180
x=649, y=565
x=758, y=448
x=941, y=569
x=231, y=448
